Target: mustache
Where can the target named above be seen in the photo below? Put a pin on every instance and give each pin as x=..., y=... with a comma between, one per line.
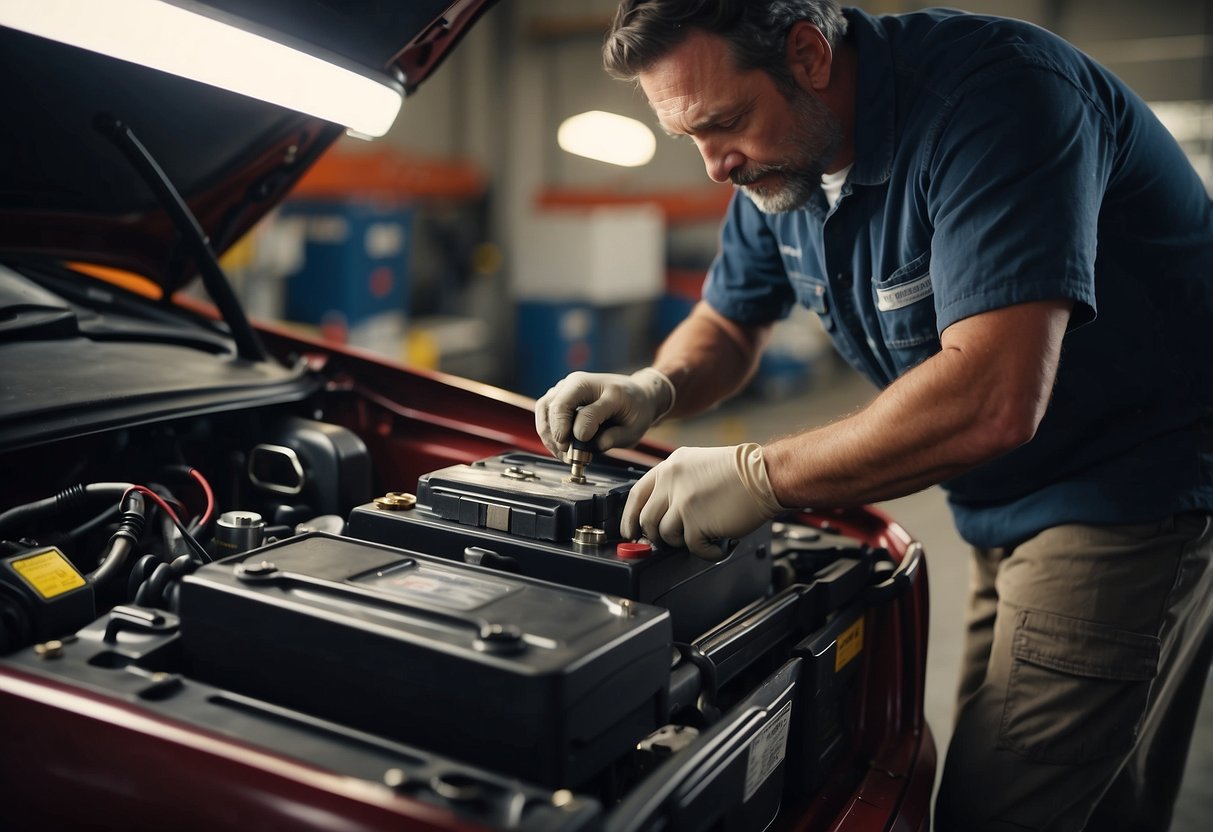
x=753, y=174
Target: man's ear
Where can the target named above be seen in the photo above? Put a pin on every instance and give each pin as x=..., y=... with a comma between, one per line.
x=809, y=56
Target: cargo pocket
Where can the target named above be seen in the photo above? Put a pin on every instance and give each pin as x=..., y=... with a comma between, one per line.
x=906, y=308
x=1077, y=690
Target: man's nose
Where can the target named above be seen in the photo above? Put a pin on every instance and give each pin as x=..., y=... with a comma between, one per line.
x=719, y=162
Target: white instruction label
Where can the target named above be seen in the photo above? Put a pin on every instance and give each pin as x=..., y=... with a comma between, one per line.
x=767, y=751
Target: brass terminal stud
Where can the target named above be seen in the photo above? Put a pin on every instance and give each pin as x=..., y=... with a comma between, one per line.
x=577, y=460
x=396, y=501
x=49, y=649
x=589, y=536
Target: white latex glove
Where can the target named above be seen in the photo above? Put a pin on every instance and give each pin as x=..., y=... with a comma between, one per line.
x=699, y=496
x=582, y=402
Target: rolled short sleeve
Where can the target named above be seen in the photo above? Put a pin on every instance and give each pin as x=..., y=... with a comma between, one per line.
x=747, y=281
x=1014, y=188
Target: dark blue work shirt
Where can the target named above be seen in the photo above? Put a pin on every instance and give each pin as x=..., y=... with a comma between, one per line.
x=995, y=165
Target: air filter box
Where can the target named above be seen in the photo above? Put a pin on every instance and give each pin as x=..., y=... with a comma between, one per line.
x=519, y=513
x=536, y=681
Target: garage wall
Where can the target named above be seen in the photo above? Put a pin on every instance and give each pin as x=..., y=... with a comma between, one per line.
x=531, y=63
x=534, y=62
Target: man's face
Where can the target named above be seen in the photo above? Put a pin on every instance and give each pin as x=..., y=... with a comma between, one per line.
x=774, y=146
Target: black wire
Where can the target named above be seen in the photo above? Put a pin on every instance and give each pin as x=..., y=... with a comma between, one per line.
x=203, y=556
x=89, y=525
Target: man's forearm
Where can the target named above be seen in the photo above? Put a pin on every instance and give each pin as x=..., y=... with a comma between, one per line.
x=709, y=358
x=980, y=397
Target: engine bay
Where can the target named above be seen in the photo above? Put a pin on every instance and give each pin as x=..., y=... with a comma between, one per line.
x=480, y=639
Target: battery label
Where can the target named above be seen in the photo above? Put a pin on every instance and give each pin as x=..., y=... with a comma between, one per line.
x=850, y=643
x=767, y=751
x=48, y=573
x=439, y=587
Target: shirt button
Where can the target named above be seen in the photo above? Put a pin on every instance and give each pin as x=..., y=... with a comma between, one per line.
x=844, y=279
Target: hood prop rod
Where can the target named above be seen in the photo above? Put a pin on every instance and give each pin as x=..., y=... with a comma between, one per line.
x=247, y=345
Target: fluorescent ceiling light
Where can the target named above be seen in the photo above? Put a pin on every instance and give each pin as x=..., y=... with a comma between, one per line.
x=194, y=41
x=607, y=137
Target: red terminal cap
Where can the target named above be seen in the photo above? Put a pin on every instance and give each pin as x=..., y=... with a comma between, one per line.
x=631, y=551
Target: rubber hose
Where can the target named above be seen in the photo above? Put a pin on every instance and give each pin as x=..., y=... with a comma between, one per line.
x=124, y=540
x=66, y=500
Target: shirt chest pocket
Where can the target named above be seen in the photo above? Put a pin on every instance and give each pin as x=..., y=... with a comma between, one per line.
x=905, y=308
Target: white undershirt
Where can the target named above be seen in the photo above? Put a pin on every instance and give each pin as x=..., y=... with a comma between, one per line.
x=831, y=184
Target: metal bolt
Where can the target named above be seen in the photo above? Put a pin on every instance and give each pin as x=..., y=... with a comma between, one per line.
x=396, y=501
x=500, y=638
x=397, y=778
x=501, y=633
x=577, y=460
x=458, y=788
x=49, y=649
x=256, y=569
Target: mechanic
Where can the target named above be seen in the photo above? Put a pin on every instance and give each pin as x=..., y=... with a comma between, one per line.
x=999, y=234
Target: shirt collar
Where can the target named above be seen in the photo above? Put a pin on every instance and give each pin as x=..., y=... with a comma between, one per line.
x=875, y=105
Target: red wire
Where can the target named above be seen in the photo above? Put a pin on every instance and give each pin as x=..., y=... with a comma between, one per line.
x=210, y=497
x=155, y=498
x=167, y=509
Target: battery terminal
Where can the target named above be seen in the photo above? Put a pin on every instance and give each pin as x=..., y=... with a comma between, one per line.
x=396, y=501
x=52, y=649
x=589, y=536
x=578, y=458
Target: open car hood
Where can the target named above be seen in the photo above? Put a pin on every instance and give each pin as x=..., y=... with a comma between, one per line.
x=67, y=192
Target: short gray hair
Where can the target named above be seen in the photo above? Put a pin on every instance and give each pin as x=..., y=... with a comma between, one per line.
x=644, y=31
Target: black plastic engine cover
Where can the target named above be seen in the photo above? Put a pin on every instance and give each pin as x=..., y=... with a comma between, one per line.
x=536, y=681
x=536, y=513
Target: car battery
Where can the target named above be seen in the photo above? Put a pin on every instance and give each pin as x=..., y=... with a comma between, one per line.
x=540, y=682
x=519, y=512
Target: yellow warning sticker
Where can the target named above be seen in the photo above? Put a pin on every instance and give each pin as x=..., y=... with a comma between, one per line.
x=49, y=573
x=849, y=645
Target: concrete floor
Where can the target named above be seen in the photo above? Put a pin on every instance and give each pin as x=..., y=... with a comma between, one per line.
x=836, y=391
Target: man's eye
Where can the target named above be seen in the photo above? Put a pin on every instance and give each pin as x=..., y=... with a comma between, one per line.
x=730, y=124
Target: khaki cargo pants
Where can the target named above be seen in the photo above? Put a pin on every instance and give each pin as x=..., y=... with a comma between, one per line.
x=1086, y=654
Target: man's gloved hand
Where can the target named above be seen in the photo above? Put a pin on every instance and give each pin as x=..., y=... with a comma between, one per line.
x=632, y=404
x=700, y=496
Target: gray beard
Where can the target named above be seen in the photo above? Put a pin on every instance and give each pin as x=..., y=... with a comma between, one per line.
x=794, y=191
x=813, y=142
